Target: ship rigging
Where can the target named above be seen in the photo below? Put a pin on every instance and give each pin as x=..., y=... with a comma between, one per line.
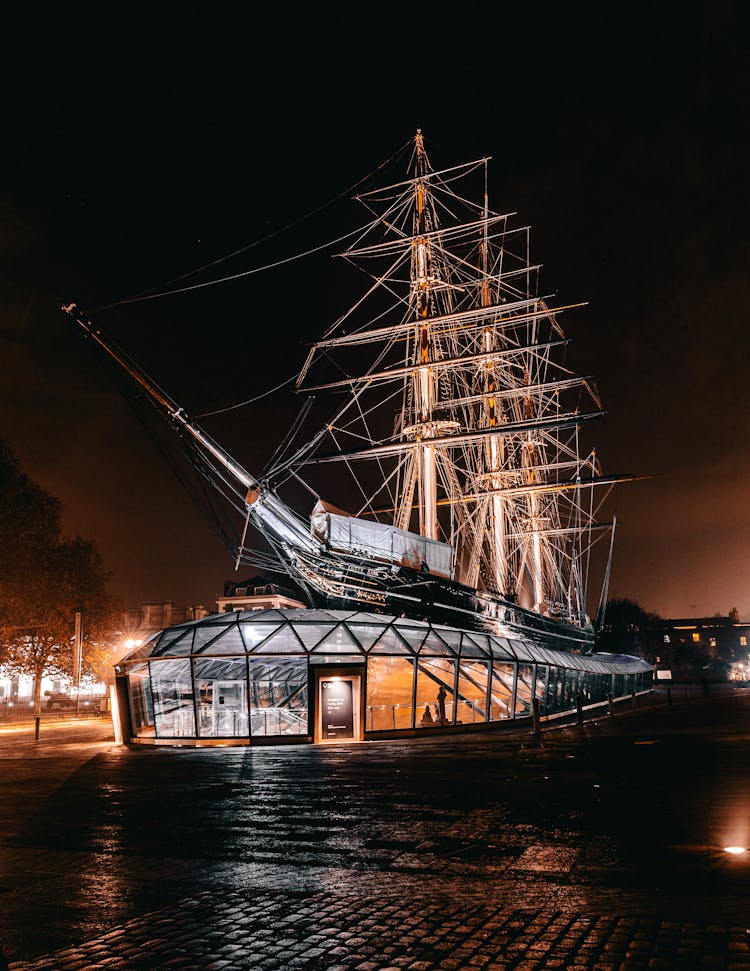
x=471, y=497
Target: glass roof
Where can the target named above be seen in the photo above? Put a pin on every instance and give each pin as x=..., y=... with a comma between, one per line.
x=338, y=632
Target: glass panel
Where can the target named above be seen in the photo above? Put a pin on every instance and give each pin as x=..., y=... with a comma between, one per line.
x=470, y=647
x=366, y=634
x=414, y=637
x=310, y=634
x=284, y=641
x=145, y=649
x=522, y=650
x=339, y=641
x=523, y=690
x=501, y=699
x=322, y=615
x=172, y=685
x=336, y=659
x=471, y=704
x=559, y=689
x=171, y=634
x=389, y=693
x=255, y=633
x=481, y=640
x=594, y=687
x=586, y=683
x=435, y=680
x=222, y=694
x=500, y=647
x=541, y=686
x=272, y=615
x=571, y=686
x=278, y=696
x=390, y=643
x=172, y=643
x=435, y=645
x=207, y=633
x=226, y=640
x=141, y=702
x=549, y=702
x=451, y=637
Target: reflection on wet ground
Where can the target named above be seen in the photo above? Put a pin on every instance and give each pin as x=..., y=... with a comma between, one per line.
x=620, y=819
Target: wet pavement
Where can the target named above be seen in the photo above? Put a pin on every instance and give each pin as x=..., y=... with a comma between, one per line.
x=596, y=847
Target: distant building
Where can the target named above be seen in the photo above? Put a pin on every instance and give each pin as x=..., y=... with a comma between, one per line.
x=717, y=644
x=257, y=593
x=157, y=614
x=153, y=615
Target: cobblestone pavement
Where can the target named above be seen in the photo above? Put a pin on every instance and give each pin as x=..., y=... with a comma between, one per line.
x=596, y=848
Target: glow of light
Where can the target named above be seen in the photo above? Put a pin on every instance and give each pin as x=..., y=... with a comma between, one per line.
x=115, y=709
x=735, y=850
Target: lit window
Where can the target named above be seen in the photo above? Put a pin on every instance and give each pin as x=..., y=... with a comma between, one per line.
x=696, y=638
x=743, y=641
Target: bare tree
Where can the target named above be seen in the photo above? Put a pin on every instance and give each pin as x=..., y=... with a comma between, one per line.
x=45, y=578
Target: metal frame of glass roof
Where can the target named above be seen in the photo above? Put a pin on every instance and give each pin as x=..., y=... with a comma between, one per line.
x=300, y=631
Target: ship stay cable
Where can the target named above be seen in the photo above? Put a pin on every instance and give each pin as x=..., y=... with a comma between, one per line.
x=150, y=294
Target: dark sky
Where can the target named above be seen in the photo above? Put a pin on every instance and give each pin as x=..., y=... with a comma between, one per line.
x=136, y=151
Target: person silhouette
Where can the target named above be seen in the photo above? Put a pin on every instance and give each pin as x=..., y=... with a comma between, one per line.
x=441, y=695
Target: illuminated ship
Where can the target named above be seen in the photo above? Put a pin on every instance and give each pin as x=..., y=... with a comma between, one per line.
x=472, y=500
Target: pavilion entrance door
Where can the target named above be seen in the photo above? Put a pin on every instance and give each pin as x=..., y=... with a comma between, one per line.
x=338, y=705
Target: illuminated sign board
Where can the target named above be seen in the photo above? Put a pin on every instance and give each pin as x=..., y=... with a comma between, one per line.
x=338, y=709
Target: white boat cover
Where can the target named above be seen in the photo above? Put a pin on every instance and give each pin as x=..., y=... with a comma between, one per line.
x=347, y=534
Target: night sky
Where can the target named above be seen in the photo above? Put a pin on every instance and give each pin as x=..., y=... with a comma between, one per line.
x=135, y=152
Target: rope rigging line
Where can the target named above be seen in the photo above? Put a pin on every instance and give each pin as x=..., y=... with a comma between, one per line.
x=241, y=404
x=151, y=295
x=224, y=279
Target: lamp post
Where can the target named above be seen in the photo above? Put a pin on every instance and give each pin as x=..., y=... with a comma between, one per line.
x=78, y=656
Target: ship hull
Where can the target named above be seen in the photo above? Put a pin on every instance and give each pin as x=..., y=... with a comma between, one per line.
x=339, y=584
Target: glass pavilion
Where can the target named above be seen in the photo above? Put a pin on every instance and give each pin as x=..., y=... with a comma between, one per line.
x=308, y=675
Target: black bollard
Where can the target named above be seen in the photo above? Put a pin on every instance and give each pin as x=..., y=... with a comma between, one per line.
x=536, y=729
x=37, y=719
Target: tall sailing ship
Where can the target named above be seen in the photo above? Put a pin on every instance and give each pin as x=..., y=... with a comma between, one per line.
x=471, y=499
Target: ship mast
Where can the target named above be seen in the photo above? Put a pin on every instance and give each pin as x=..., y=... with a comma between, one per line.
x=484, y=452
x=423, y=377
x=494, y=409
